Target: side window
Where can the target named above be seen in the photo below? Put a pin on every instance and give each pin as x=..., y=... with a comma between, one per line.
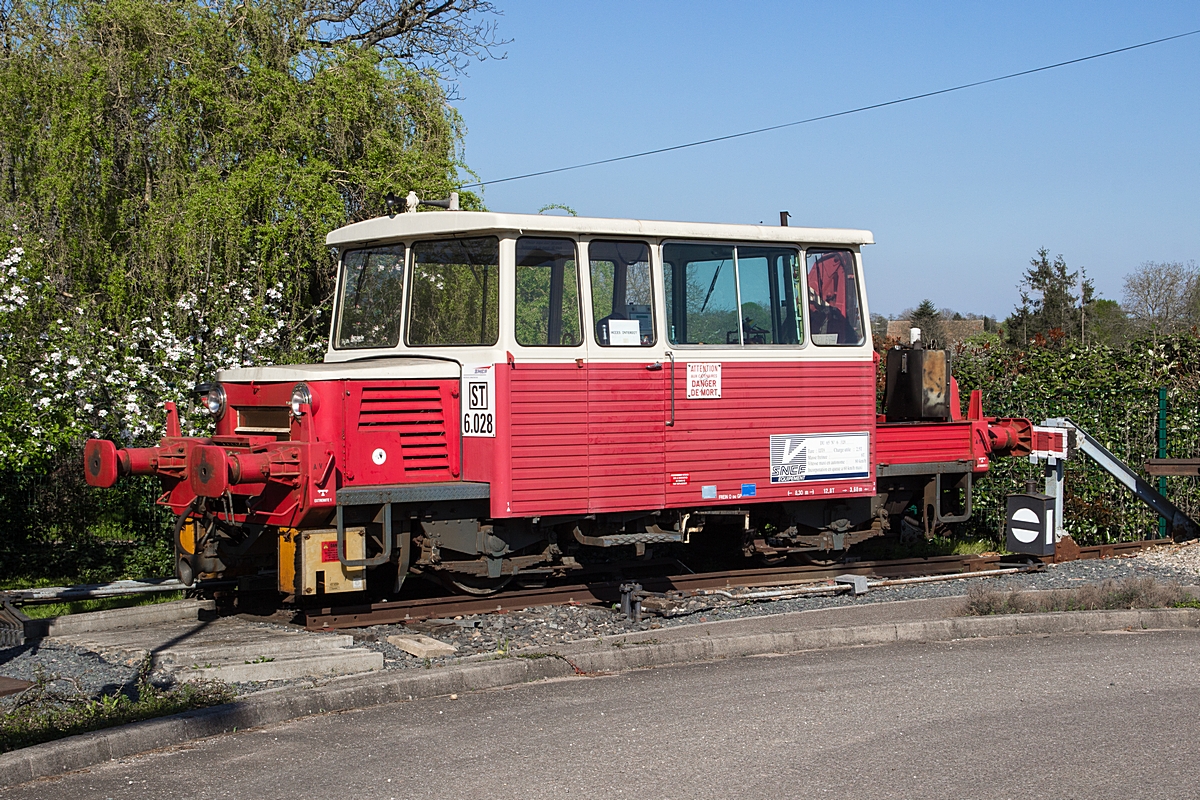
x=701, y=290
x=371, y=293
x=743, y=295
x=833, y=299
x=455, y=294
x=547, y=305
x=769, y=279
x=622, y=299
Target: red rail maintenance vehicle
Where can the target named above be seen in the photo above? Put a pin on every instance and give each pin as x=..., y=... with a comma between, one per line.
x=503, y=394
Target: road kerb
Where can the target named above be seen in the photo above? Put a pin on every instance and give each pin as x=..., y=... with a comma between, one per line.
x=362, y=691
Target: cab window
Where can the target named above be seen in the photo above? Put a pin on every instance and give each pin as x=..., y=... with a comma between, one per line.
x=741, y=295
x=455, y=294
x=701, y=294
x=834, y=313
x=769, y=280
x=547, y=298
x=622, y=299
x=371, y=293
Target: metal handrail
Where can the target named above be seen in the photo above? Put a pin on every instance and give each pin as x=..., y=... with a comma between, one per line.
x=671, y=356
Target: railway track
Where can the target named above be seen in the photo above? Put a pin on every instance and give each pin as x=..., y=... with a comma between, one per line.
x=608, y=592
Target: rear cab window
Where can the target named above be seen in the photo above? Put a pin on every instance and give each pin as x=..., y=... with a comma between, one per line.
x=834, y=306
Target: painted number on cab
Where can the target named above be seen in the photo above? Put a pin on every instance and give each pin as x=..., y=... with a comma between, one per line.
x=478, y=401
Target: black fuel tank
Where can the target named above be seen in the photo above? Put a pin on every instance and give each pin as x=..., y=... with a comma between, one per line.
x=918, y=385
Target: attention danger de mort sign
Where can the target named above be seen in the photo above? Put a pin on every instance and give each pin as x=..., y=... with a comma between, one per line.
x=703, y=381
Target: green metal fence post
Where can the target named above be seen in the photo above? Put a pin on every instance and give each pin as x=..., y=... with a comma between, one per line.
x=1162, y=452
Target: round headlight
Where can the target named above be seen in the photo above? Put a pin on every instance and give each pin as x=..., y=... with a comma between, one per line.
x=215, y=401
x=301, y=396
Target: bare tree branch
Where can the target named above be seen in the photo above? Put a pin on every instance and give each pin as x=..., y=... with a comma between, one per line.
x=445, y=35
x=1160, y=297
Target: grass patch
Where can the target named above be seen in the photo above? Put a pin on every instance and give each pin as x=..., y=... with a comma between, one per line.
x=1110, y=595
x=891, y=547
x=43, y=713
x=46, y=610
x=973, y=548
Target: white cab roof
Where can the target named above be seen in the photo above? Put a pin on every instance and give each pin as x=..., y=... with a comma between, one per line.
x=427, y=223
x=366, y=369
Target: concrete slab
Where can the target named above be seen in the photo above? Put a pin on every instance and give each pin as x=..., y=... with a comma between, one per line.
x=117, y=618
x=422, y=646
x=230, y=649
x=313, y=665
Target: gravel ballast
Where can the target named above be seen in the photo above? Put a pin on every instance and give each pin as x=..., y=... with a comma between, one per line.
x=485, y=635
x=548, y=626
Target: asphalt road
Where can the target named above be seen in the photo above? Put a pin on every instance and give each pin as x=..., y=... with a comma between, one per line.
x=1098, y=716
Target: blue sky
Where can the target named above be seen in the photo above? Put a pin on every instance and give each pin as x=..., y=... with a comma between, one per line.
x=1098, y=161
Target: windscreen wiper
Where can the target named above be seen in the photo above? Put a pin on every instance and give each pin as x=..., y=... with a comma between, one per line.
x=712, y=286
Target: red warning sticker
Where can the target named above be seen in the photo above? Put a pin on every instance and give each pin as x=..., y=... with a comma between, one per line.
x=328, y=552
x=680, y=478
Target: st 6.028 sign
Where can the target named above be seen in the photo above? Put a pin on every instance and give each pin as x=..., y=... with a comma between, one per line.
x=478, y=401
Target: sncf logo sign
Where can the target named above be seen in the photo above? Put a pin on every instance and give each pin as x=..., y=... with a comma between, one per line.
x=798, y=457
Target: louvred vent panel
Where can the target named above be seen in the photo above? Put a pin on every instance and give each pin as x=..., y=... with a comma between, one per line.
x=417, y=414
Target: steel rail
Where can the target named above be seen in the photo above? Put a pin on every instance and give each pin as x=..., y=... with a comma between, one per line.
x=609, y=591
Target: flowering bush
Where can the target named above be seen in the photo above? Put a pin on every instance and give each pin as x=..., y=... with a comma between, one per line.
x=79, y=378
x=170, y=171
x=66, y=376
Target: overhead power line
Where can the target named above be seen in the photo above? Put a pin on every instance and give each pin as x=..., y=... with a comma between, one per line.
x=845, y=113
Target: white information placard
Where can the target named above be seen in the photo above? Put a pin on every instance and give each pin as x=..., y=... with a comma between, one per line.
x=797, y=457
x=624, y=332
x=703, y=380
x=478, y=402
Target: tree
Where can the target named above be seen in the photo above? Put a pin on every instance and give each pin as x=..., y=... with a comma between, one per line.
x=168, y=172
x=1107, y=323
x=1050, y=309
x=442, y=35
x=1161, y=297
x=927, y=317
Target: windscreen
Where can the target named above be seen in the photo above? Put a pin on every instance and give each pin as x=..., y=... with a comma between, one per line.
x=455, y=295
x=371, y=295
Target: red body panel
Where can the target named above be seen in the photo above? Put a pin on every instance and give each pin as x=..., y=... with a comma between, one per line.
x=412, y=424
x=627, y=419
x=922, y=443
x=547, y=412
x=626, y=458
x=726, y=441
